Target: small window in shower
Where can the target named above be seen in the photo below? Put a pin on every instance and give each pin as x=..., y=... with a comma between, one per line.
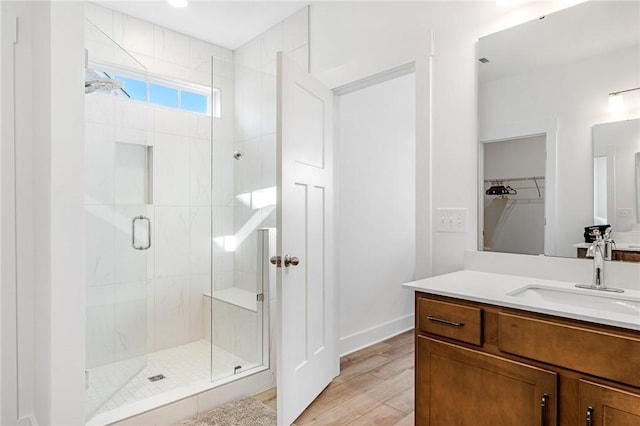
x=166, y=92
x=136, y=89
x=163, y=95
x=194, y=102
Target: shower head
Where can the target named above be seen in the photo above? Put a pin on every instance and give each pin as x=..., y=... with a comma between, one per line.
x=104, y=85
x=99, y=81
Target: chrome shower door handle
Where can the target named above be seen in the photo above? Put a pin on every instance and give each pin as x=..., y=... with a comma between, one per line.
x=133, y=233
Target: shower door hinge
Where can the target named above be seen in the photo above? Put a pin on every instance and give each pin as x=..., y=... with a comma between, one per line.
x=260, y=297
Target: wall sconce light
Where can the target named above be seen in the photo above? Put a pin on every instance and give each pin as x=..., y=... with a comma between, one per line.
x=616, y=100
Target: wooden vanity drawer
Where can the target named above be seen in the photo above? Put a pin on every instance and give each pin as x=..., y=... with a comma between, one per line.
x=600, y=353
x=450, y=320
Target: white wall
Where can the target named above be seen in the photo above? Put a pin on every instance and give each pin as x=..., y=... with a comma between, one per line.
x=350, y=41
x=8, y=351
x=67, y=197
x=58, y=344
x=376, y=211
x=17, y=256
x=48, y=137
x=599, y=190
x=4, y=96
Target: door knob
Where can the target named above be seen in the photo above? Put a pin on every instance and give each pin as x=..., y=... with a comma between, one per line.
x=290, y=260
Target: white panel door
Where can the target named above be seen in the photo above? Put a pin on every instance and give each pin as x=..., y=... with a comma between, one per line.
x=307, y=358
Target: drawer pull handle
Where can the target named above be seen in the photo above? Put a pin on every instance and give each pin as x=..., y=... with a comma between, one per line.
x=589, y=416
x=444, y=321
x=543, y=409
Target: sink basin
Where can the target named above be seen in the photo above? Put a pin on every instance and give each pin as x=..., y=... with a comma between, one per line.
x=591, y=299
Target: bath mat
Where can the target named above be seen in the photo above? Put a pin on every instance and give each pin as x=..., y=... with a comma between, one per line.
x=245, y=412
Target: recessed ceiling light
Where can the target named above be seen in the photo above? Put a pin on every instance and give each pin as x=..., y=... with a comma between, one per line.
x=178, y=3
x=506, y=2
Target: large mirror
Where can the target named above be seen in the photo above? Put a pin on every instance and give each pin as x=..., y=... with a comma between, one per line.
x=544, y=90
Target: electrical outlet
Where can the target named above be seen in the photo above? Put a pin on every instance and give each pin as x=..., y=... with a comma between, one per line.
x=452, y=220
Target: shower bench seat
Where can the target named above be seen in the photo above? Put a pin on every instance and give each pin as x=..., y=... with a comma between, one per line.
x=237, y=297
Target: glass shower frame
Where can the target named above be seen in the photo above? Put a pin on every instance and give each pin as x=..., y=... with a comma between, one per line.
x=240, y=328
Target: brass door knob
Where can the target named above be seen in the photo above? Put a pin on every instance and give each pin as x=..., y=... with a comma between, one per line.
x=276, y=260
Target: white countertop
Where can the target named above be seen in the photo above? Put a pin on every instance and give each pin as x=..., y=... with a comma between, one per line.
x=493, y=289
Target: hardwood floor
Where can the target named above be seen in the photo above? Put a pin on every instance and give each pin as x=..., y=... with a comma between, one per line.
x=375, y=387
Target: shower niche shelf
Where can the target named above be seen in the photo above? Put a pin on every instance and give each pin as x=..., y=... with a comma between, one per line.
x=133, y=174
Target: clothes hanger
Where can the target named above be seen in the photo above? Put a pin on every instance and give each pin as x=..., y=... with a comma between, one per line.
x=495, y=190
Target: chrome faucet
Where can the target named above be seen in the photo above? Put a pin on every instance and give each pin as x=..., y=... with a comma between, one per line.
x=601, y=251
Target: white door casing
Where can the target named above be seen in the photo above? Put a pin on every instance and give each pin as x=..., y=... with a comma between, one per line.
x=307, y=358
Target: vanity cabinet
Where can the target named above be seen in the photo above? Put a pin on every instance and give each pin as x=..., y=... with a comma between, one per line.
x=480, y=364
x=470, y=387
x=604, y=405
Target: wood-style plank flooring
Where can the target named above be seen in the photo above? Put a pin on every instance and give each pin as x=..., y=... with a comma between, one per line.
x=375, y=387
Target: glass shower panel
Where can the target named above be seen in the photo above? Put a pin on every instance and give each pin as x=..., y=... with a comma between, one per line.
x=243, y=211
x=118, y=224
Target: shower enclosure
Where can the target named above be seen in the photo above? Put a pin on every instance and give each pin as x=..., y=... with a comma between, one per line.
x=180, y=214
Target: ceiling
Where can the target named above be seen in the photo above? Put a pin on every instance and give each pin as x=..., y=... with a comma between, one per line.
x=229, y=24
x=582, y=31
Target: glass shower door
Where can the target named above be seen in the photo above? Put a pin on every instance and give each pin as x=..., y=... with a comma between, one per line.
x=243, y=212
x=118, y=227
x=116, y=311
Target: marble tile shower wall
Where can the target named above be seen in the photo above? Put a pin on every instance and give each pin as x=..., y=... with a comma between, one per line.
x=170, y=278
x=255, y=128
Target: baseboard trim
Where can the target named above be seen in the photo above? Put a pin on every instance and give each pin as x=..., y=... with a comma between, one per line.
x=378, y=333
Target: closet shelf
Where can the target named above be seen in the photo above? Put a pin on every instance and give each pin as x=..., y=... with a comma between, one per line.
x=531, y=178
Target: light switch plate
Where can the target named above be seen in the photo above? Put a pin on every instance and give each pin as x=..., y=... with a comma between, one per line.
x=624, y=212
x=452, y=220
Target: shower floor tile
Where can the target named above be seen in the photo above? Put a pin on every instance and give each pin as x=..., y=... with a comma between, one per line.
x=180, y=366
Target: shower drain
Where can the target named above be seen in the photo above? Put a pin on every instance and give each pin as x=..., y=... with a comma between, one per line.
x=156, y=377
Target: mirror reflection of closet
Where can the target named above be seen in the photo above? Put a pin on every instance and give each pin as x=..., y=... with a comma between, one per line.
x=514, y=219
